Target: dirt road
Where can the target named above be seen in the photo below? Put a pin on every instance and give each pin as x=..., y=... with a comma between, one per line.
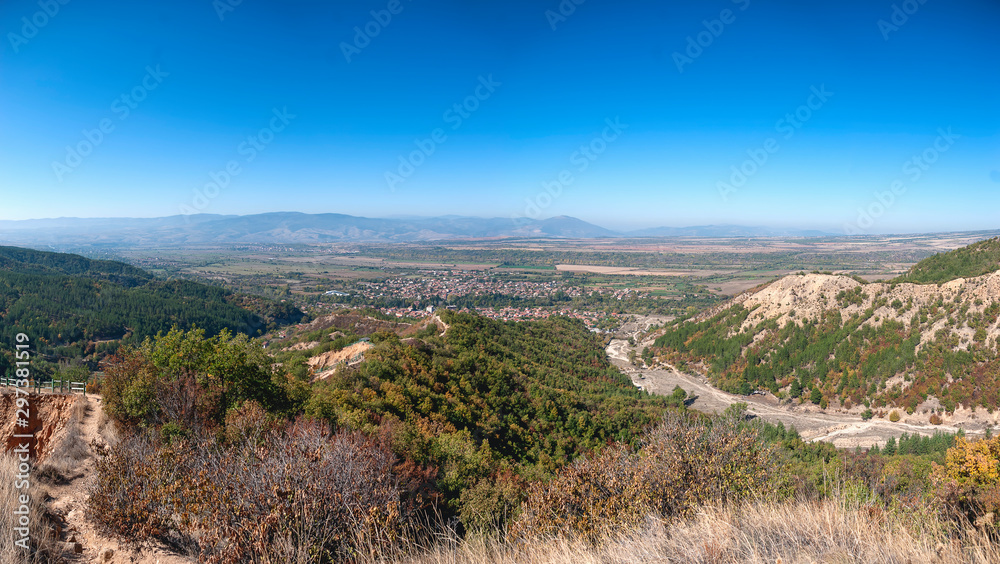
x=69, y=501
x=845, y=429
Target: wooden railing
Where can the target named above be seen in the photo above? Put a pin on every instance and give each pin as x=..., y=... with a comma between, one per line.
x=51, y=386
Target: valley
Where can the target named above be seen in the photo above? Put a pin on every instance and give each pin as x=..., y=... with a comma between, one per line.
x=843, y=428
x=492, y=385
x=663, y=275
x=512, y=282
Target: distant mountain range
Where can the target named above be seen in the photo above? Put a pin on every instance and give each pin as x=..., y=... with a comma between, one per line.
x=294, y=227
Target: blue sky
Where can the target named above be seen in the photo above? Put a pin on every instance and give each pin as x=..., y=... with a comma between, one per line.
x=862, y=116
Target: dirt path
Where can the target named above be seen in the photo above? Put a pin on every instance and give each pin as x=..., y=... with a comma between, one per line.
x=845, y=429
x=70, y=500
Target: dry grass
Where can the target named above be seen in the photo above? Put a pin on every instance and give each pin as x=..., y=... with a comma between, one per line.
x=795, y=532
x=43, y=546
x=107, y=429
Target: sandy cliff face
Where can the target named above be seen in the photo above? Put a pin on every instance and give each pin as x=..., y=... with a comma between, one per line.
x=795, y=299
x=47, y=417
x=324, y=364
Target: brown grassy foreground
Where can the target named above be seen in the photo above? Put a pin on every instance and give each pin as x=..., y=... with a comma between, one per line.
x=830, y=531
x=43, y=546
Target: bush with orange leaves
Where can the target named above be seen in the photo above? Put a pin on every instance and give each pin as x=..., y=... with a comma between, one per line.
x=686, y=461
x=969, y=482
x=295, y=494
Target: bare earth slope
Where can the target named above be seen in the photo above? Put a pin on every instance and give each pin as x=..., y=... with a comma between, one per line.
x=923, y=348
x=811, y=294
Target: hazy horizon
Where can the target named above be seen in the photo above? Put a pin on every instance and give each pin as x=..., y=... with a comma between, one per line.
x=848, y=117
x=625, y=229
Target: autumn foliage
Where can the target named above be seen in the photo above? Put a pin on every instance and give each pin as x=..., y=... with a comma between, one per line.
x=969, y=482
x=684, y=462
x=293, y=494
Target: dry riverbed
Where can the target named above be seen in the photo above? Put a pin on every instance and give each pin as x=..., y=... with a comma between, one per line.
x=843, y=428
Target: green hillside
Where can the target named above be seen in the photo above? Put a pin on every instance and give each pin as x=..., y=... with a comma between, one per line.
x=968, y=262
x=490, y=394
x=30, y=261
x=71, y=306
x=471, y=414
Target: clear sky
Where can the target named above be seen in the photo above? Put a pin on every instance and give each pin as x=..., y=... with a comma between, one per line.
x=626, y=114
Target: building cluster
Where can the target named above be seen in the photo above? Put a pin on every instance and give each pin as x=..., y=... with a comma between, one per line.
x=591, y=318
x=429, y=288
x=450, y=284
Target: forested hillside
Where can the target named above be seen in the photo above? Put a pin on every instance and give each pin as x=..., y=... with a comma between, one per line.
x=30, y=261
x=73, y=307
x=487, y=395
x=834, y=340
x=519, y=429
x=967, y=262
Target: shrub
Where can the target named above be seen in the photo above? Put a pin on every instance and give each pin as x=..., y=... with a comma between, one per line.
x=969, y=482
x=980, y=335
x=592, y=496
x=894, y=416
x=299, y=495
x=492, y=503
x=249, y=423
x=684, y=462
x=190, y=379
x=936, y=419
x=131, y=493
x=678, y=395
x=171, y=431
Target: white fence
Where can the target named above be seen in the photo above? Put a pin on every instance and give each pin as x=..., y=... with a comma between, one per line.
x=51, y=386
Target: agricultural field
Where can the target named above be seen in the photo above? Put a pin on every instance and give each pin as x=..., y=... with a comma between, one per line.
x=612, y=275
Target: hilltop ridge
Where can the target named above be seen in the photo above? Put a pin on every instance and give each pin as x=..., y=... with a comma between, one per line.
x=973, y=260
x=835, y=340
x=75, y=307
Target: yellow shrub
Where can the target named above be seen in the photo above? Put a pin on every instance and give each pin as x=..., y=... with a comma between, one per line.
x=969, y=482
x=974, y=463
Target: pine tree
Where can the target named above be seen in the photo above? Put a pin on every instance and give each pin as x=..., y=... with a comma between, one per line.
x=890, y=447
